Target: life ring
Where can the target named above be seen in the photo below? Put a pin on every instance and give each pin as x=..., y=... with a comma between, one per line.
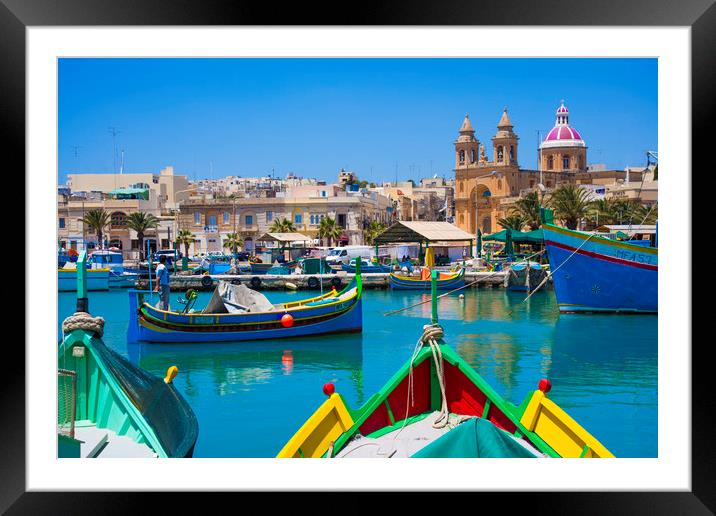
x=336, y=282
x=206, y=281
x=313, y=283
x=255, y=282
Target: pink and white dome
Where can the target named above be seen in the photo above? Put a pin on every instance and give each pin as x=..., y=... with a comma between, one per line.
x=562, y=134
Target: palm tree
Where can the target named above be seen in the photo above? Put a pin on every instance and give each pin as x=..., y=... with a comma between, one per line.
x=233, y=241
x=329, y=229
x=645, y=214
x=374, y=229
x=282, y=226
x=141, y=222
x=185, y=238
x=513, y=221
x=97, y=220
x=570, y=204
x=603, y=211
x=529, y=208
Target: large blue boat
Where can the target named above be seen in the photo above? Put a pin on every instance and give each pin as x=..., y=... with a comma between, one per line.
x=595, y=274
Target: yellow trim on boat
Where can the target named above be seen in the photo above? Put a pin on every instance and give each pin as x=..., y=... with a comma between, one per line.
x=88, y=270
x=562, y=433
x=326, y=424
x=602, y=240
x=284, y=307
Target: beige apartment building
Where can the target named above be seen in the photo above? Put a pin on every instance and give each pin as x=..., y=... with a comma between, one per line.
x=168, y=188
x=211, y=220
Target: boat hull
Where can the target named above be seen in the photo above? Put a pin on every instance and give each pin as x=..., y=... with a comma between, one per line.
x=405, y=283
x=599, y=275
x=97, y=279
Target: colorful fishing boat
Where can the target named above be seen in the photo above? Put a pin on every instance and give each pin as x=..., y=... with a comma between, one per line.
x=436, y=405
x=595, y=274
x=236, y=313
x=119, y=277
x=97, y=279
x=446, y=280
x=366, y=266
x=107, y=407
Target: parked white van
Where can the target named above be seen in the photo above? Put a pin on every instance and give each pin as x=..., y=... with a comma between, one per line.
x=339, y=255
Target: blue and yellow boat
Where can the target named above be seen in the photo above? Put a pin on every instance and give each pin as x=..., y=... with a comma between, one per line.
x=446, y=280
x=595, y=274
x=236, y=313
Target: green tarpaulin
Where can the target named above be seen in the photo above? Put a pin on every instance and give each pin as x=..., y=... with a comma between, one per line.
x=474, y=438
x=518, y=237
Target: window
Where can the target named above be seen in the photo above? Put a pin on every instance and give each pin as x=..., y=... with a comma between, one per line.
x=297, y=218
x=565, y=163
x=269, y=216
x=197, y=217
x=500, y=153
x=472, y=156
x=249, y=220
x=226, y=217
x=118, y=220
x=550, y=163
x=62, y=223
x=462, y=156
x=512, y=153
x=323, y=193
x=212, y=220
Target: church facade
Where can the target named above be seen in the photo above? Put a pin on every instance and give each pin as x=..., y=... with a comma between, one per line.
x=486, y=189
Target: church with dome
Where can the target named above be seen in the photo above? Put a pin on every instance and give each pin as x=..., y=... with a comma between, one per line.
x=486, y=189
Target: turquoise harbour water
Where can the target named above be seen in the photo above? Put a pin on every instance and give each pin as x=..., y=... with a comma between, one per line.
x=250, y=398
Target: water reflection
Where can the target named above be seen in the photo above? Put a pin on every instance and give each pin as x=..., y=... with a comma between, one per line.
x=237, y=366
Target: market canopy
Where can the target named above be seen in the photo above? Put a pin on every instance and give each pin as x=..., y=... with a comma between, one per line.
x=123, y=193
x=407, y=231
x=518, y=237
x=285, y=237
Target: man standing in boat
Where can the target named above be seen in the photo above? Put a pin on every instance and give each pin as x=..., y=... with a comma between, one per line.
x=163, y=283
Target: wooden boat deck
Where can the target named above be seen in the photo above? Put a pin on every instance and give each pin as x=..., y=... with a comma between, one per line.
x=105, y=444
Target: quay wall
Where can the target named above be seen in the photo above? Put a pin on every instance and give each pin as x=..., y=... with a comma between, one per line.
x=376, y=280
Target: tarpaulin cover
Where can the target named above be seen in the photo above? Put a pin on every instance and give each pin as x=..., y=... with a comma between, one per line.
x=474, y=438
x=162, y=406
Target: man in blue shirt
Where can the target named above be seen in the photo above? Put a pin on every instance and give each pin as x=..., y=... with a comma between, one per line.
x=163, y=283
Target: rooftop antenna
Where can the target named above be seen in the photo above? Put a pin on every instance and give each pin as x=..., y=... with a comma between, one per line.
x=121, y=163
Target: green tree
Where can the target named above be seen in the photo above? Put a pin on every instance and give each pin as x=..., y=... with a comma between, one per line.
x=329, y=229
x=233, y=241
x=528, y=207
x=372, y=231
x=141, y=223
x=97, y=220
x=570, y=204
x=513, y=221
x=282, y=226
x=185, y=238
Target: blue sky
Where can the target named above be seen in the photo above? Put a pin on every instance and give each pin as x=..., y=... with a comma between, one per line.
x=312, y=117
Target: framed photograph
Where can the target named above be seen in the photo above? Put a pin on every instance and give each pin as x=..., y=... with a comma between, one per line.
x=433, y=234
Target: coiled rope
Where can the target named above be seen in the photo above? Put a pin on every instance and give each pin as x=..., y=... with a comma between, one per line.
x=83, y=321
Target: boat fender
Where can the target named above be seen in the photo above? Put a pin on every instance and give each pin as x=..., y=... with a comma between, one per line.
x=291, y=286
x=287, y=320
x=236, y=281
x=255, y=282
x=336, y=282
x=313, y=282
x=206, y=281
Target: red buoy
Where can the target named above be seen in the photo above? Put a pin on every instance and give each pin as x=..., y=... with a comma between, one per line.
x=544, y=385
x=328, y=388
x=287, y=320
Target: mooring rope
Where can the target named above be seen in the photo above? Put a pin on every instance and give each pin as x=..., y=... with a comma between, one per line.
x=391, y=312
x=83, y=321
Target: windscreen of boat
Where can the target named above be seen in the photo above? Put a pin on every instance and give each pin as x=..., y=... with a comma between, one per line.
x=162, y=406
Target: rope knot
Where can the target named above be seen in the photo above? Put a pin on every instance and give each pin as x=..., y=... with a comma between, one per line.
x=83, y=321
x=431, y=332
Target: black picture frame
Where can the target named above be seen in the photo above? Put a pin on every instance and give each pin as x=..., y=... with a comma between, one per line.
x=17, y=15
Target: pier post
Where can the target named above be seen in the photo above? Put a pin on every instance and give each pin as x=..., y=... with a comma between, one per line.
x=82, y=299
x=434, y=295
